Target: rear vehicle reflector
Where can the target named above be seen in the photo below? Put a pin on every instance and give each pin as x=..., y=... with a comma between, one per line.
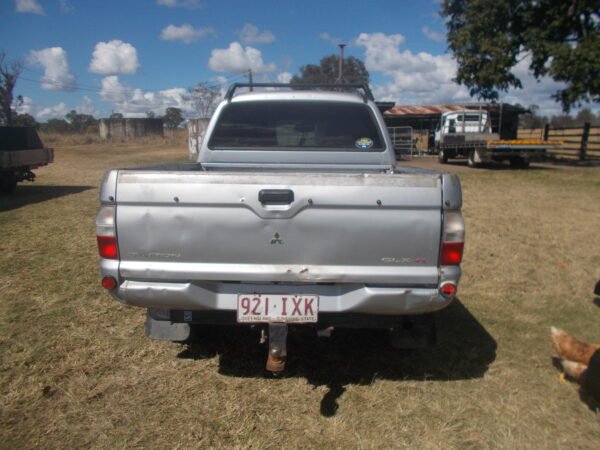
x=109, y=283
x=448, y=290
x=107, y=247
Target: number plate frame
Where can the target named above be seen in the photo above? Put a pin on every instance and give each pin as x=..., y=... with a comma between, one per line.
x=287, y=308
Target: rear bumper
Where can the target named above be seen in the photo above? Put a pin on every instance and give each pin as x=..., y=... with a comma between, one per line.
x=333, y=298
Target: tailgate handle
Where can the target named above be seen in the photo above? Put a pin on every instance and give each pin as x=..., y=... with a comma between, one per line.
x=276, y=196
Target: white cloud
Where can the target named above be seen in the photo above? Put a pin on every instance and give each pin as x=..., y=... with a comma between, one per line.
x=25, y=106
x=57, y=76
x=28, y=6
x=42, y=113
x=58, y=111
x=113, y=91
x=114, y=57
x=133, y=102
x=220, y=80
x=331, y=39
x=419, y=78
x=425, y=79
x=185, y=33
x=284, y=77
x=86, y=106
x=250, y=34
x=238, y=59
x=190, y=4
x=433, y=35
x=534, y=92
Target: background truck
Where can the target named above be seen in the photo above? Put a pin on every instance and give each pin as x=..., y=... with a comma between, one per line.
x=21, y=150
x=468, y=134
x=294, y=214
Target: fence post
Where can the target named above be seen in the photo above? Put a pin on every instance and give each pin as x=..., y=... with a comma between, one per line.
x=546, y=131
x=584, y=140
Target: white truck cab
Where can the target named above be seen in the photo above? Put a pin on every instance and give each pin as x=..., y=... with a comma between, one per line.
x=463, y=122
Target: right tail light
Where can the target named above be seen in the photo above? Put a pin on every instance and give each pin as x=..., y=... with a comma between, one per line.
x=105, y=233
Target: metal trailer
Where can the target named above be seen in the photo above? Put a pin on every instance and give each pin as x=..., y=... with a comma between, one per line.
x=21, y=150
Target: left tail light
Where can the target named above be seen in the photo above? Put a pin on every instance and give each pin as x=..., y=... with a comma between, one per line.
x=453, y=239
x=105, y=233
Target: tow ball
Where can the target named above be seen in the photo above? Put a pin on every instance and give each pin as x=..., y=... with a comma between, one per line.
x=277, y=347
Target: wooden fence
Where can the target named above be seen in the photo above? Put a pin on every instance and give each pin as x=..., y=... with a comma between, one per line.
x=582, y=143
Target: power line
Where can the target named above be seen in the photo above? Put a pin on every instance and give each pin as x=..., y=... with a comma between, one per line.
x=74, y=87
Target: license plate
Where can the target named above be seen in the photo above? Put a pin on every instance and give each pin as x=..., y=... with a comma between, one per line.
x=298, y=308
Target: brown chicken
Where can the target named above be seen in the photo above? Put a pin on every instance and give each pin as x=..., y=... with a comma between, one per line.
x=579, y=360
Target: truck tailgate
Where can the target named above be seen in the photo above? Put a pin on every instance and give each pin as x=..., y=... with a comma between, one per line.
x=345, y=228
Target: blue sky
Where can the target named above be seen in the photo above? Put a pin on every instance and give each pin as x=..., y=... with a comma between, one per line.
x=133, y=56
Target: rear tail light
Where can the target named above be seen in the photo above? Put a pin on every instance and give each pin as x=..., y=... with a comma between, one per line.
x=105, y=233
x=107, y=247
x=453, y=239
x=451, y=253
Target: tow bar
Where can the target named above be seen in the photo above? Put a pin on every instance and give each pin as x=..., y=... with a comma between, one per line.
x=277, y=347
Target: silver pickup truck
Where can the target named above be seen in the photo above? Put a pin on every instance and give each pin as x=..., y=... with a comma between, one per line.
x=295, y=214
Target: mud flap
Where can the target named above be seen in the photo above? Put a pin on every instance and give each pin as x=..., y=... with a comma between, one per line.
x=415, y=332
x=165, y=330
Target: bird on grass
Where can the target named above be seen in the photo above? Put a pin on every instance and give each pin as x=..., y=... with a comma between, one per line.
x=579, y=360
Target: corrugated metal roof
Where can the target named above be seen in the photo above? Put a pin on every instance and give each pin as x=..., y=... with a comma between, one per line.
x=439, y=109
x=425, y=109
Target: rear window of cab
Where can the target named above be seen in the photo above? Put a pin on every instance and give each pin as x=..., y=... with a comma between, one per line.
x=295, y=125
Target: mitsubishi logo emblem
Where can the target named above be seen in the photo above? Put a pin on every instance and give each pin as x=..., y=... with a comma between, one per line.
x=276, y=239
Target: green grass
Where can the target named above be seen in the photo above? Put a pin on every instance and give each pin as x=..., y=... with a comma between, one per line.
x=77, y=370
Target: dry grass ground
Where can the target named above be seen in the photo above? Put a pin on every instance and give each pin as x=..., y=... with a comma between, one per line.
x=77, y=371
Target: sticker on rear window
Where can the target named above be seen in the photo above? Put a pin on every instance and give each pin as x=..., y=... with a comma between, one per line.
x=364, y=143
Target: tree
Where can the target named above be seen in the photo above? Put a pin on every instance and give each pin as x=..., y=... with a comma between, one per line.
x=327, y=71
x=172, y=118
x=583, y=116
x=531, y=119
x=25, y=120
x=562, y=121
x=9, y=73
x=203, y=98
x=78, y=123
x=116, y=115
x=55, y=126
x=561, y=39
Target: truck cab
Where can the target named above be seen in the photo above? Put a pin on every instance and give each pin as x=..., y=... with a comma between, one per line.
x=463, y=122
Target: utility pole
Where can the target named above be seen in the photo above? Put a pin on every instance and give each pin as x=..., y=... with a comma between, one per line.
x=341, y=67
x=250, y=79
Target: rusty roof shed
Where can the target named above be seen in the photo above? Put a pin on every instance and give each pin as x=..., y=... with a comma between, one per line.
x=504, y=116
